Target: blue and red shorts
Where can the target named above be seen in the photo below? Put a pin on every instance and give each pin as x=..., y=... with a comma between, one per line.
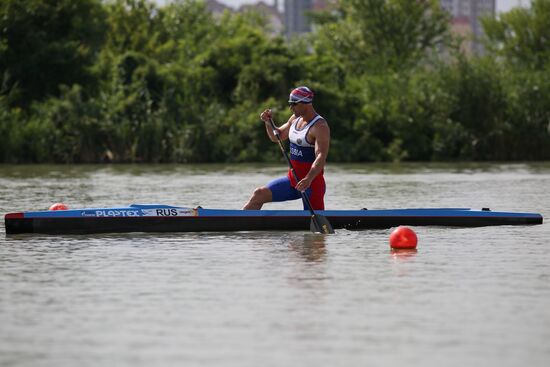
x=282, y=189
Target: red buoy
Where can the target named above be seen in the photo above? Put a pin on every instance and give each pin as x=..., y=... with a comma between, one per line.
x=403, y=238
x=58, y=206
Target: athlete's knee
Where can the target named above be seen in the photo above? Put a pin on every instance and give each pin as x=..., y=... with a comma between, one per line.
x=262, y=194
x=259, y=197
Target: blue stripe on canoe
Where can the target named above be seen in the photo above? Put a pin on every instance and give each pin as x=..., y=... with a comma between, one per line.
x=135, y=210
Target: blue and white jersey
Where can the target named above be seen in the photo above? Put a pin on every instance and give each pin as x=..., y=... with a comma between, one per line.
x=301, y=150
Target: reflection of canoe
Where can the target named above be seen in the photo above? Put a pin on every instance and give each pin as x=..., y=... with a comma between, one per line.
x=164, y=218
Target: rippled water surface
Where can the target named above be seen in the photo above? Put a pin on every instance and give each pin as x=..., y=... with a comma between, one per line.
x=467, y=297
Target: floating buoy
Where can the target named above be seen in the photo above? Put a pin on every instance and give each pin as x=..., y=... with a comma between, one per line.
x=58, y=206
x=403, y=238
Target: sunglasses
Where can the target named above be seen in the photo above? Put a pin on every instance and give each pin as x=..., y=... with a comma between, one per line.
x=292, y=104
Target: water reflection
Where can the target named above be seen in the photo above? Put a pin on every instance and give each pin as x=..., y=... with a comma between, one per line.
x=311, y=247
x=403, y=254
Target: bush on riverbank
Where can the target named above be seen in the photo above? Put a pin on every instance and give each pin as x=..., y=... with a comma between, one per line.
x=173, y=84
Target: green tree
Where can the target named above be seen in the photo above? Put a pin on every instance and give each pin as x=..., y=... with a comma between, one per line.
x=521, y=36
x=367, y=35
x=46, y=43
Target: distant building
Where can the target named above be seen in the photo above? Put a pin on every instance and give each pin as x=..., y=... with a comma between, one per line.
x=466, y=20
x=295, y=17
x=296, y=14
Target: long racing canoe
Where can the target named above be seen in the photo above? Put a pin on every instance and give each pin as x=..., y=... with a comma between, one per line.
x=165, y=218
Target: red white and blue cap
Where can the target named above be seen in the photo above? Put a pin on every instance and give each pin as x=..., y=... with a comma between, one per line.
x=301, y=95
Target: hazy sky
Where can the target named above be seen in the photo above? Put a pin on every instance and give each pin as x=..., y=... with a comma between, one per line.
x=502, y=5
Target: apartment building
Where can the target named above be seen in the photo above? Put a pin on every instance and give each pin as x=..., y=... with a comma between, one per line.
x=466, y=20
x=296, y=14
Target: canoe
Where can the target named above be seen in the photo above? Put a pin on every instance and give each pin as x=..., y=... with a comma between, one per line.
x=166, y=218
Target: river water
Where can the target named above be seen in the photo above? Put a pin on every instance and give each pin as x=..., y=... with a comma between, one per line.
x=466, y=297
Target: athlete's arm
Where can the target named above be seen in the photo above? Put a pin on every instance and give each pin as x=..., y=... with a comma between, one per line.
x=321, y=132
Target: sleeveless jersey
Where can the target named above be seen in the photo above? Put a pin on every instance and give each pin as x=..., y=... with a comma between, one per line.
x=300, y=149
x=302, y=152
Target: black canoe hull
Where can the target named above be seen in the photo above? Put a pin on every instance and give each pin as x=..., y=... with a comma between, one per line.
x=83, y=225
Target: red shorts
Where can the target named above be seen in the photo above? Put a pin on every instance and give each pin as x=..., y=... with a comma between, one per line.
x=317, y=188
x=282, y=189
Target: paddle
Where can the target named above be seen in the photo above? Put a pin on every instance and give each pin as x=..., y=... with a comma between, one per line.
x=319, y=223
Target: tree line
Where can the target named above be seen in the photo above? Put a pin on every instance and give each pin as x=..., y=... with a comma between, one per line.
x=129, y=81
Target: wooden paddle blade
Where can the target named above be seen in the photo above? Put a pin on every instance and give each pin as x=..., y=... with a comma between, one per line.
x=320, y=224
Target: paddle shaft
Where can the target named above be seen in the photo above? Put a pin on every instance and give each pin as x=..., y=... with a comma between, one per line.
x=304, y=196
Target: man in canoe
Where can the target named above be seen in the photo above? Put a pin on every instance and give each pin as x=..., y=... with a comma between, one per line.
x=309, y=136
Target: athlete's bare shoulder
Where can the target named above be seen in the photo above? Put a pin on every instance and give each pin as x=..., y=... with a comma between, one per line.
x=322, y=121
x=321, y=125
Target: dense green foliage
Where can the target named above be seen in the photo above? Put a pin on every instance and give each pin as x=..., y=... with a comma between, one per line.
x=127, y=81
x=47, y=43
